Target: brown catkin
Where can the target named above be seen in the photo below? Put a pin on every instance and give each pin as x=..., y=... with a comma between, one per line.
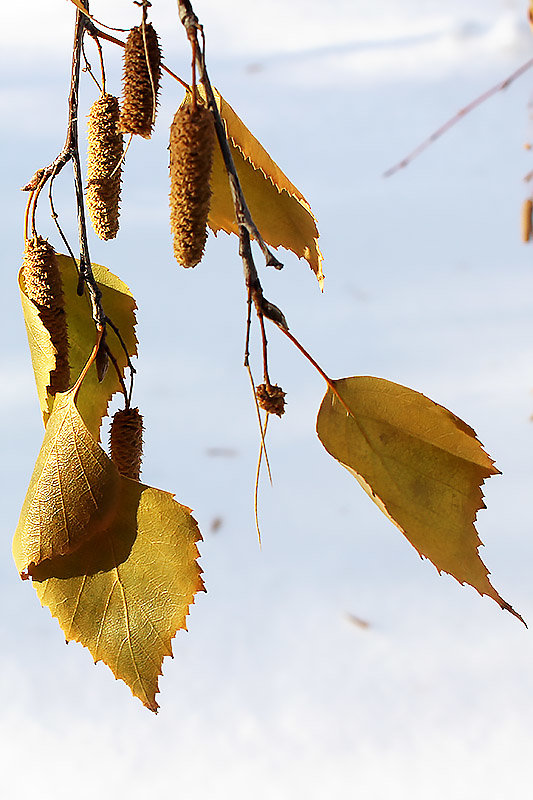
x=126, y=442
x=527, y=222
x=104, y=166
x=192, y=142
x=139, y=104
x=271, y=399
x=42, y=282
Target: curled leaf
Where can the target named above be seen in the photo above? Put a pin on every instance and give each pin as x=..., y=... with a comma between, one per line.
x=419, y=463
x=280, y=211
x=72, y=493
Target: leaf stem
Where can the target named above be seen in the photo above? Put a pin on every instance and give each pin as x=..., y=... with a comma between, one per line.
x=329, y=381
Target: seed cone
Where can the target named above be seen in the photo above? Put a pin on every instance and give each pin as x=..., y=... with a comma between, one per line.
x=527, y=222
x=271, y=399
x=42, y=281
x=192, y=141
x=104, y=167
x=139, y=104
x=126, y=442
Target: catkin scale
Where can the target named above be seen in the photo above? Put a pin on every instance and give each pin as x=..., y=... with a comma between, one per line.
x=104, y=166
x=527, y=221
x=43, y=286
x=139, y=104
x=126, y=442
x=192, y=142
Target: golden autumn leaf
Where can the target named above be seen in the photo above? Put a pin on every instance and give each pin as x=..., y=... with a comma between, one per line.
x=282, y=214
x=125, y=595
x=72, y=493
x=130, y=571
x=117, y=300
x=419, y=463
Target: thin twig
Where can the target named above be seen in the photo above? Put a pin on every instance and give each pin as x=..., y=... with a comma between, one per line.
x=457, y=117
x=108, y=38
x=265, y=350
x=147, y=59
x=257, y=475
x=263, y=441
x=87, y=67
x=100, y=55
x=55, y=217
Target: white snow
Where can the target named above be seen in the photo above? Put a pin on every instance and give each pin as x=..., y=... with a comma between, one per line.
x=274, y=694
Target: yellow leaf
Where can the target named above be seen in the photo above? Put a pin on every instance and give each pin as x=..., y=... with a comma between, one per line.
x=282, y=214
x=72, y=493
x=126, y=594
x=419, y=463
x=119, y=305
x=129, y=571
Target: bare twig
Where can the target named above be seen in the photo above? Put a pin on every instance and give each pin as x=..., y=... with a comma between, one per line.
x=94, y=31
x=457, y=117
x=88, y=68
x=70, y=152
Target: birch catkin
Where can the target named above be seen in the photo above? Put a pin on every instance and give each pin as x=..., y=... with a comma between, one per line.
x=104, y=166
x=43, y=286
x=140, y=97
x=126, y=442
x=192, y=141
x=527, y=222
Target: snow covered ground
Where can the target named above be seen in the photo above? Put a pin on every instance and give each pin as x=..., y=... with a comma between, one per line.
x=274, y=693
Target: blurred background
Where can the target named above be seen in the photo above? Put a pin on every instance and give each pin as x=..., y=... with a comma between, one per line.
x=333, y=661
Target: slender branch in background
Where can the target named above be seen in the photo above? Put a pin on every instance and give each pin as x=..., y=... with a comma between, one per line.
x=457, y=117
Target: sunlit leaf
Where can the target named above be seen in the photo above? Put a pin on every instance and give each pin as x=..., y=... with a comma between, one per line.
x=280, y=211
x=125, y=595
x=119, y=306
x=419, y=463
x=125, y=587
x=72, y=493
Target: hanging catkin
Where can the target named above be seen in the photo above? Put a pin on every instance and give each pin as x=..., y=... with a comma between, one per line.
x=139, y=105
x=104, y=166
x=192, y=141
x=527, y=222
x=42, y=282
x=126, y=442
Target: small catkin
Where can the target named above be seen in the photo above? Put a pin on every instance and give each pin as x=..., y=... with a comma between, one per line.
x=43, y=285
x=192, y=142
x=126, y=442
x=271, y=399
x=104, y=166
x=139, y=104
x=527, y=222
